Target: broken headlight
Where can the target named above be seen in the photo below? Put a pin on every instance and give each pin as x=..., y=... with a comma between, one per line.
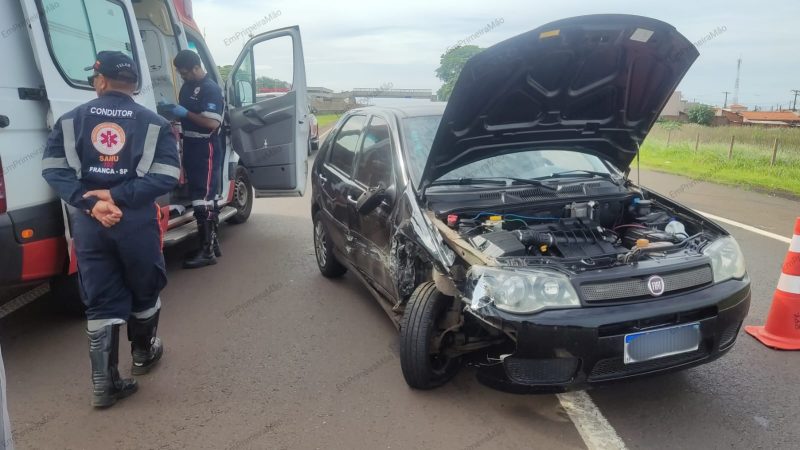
x=519, y=290
x=727, y=260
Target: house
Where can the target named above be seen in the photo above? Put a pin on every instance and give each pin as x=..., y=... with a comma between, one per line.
x=675, y=109
x=770, y=118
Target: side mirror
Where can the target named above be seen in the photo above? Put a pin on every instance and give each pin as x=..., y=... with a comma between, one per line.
x=372, y=198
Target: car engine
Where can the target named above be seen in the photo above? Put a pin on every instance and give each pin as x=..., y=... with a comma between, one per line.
x=610, y=231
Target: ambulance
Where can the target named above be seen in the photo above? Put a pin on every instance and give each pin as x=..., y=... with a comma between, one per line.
x=46, y=46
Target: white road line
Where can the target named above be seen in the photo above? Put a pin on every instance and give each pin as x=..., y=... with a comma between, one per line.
x=734, y=223
x=593, y=427
x=24, y=299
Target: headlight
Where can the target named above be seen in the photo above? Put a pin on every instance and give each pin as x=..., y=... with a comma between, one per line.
x=727, y=260
x=519, y=290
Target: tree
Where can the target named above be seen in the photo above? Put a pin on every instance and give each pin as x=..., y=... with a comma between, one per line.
x=224, y=71
x=701, y=114
x=271, y=83
x=450, y=65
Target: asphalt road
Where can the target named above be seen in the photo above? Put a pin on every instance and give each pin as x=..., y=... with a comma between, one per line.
x=263, y=352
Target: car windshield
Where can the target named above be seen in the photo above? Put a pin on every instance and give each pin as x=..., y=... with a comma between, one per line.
x=419, y=132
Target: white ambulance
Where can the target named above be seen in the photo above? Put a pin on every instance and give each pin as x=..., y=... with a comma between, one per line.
x=46, y=46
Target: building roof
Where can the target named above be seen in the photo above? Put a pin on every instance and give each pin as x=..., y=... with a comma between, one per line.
x=780, y=116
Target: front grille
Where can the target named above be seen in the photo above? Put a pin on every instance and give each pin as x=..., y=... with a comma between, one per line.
x=632, y=288
x=540, y=371
x=607, y=369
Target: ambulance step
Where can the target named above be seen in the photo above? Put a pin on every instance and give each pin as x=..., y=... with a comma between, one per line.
x=181, y=233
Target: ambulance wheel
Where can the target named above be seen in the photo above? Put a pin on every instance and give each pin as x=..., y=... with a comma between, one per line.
x=66, y=293
x=242, y=197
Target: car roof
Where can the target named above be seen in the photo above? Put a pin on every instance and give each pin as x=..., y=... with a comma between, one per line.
x=401, y=112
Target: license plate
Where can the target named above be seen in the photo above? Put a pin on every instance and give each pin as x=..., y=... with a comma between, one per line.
x=660, y=343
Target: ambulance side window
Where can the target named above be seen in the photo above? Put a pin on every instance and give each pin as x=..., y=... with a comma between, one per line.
x=76, y=33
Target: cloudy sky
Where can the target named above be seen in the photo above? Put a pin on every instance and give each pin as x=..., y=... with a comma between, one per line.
x=356, y=43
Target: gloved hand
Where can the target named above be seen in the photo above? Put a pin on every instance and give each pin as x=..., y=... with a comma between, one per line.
x=176, y=110
x=180, y=111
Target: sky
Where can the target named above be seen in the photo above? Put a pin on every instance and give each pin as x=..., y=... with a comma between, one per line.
x=356, y=43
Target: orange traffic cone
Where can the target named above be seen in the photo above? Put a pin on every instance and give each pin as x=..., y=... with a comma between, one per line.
x=782, y=330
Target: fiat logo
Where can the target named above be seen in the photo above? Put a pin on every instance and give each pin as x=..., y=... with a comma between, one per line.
x=655, y=285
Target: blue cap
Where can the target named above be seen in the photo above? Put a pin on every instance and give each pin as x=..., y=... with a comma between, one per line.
x=116, y=65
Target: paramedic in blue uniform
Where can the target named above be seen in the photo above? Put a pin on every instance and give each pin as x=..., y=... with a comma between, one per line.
x=200, y=109
x=108, y=160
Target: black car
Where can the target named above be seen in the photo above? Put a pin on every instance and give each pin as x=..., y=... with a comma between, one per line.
x=503, y=230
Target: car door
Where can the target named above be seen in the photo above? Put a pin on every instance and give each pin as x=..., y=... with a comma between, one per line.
x=65, y=38
x=372, y=230
x=267, y=107
x=335, y=179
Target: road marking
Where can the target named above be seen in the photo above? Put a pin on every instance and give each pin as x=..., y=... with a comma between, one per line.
x=593, y=427
x=734, y=223
x=24, y=299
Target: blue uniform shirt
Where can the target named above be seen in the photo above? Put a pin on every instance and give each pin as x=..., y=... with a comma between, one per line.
x=113, y=143
x=202, y=97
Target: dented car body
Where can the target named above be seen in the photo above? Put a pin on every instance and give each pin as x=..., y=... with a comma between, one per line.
x=503, y=230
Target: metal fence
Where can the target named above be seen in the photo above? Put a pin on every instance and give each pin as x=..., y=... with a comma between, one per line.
x=778, y=145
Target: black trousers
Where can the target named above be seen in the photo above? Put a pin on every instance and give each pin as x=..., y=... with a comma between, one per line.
x=121, y=268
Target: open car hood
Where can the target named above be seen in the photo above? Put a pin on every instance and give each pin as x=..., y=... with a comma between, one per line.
x=591, y=83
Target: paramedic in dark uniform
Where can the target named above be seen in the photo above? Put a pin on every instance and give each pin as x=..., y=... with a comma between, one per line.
x=200, y=109
x=109, y=159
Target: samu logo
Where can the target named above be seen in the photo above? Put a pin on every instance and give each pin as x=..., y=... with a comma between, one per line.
x=108, y=138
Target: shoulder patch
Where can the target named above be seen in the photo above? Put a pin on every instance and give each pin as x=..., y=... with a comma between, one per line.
x=108, y=138
x=211, y=107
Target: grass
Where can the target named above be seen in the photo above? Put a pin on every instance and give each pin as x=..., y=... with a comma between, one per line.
x=750, y=166
x=327, y=119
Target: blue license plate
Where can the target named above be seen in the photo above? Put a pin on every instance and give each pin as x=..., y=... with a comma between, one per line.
x=663, y=342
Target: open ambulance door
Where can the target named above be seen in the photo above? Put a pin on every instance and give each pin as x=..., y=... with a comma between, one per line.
x=268, y=114
x=65, y=37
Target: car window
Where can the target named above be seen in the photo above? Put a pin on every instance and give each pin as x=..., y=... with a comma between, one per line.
x=418, y=134
x=529, y=164
x=375, y=156
x=343, y=151
x=77, y=33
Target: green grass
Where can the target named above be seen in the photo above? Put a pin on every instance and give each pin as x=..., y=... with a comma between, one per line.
x=750, y=166
x=327, y=119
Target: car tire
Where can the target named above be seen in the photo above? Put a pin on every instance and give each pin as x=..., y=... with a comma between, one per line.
x=422, y=369
x=329, y=266
x=66, y=295
x=242, y=197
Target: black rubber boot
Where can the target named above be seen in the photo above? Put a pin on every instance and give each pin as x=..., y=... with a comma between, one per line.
x=201, y=226
x=146, y=347
x=215, y=236
x=104, y=355
x=205, y=257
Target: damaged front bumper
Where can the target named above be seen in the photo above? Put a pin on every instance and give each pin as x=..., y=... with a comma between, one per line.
x=567, y=349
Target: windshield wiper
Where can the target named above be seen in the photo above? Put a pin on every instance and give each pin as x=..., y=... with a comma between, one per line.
x=500, y=181
x=468, y=181
x=579, y=173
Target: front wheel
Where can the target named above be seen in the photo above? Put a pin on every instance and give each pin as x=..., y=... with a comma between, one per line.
x=423, y=359
x=242, y=197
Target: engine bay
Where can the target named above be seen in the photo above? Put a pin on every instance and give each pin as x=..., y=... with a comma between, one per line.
x=589, y=234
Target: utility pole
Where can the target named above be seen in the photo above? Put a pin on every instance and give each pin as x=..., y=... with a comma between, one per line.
x=726, y=98
x=794, y=104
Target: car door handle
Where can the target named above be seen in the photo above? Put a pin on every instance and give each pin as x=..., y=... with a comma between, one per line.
x=251, y=114
x=351, y=200
x=322, y=177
